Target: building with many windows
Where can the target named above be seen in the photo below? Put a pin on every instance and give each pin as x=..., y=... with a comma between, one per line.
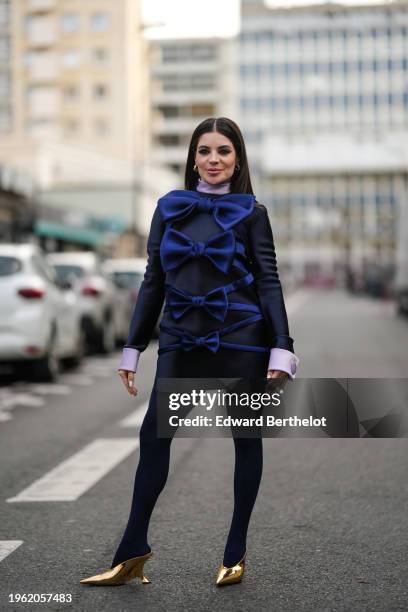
x=190, y=82
x=6, y=99
x=322, y=97
x=75, y=106
x=79, y=74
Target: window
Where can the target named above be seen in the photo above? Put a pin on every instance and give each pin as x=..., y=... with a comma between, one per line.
x=5, y=121
x=169, y=140
x=99, y=22
x=185, y=53
x=5, y=12
x=71, y=58
x=101, y=126
x=100, y=55
x=69, y=22
x=100, y=91
x=5, y=49
x=9, y=265
x=28, y=22
x=127, y=279
x=71, y=92
x=66, y=272
x=170, y=111
x=5, y=85
x=27, y=58
x=198, y=110
x=71, y=125
x=43, y=268
x=202, y=81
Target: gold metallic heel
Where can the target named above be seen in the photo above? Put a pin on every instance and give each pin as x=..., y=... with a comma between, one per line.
x=121, y=573
x=230, y=575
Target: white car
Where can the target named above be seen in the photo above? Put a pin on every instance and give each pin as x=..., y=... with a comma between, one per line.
x=95, y=291
x=127, y=275
x=39, y=320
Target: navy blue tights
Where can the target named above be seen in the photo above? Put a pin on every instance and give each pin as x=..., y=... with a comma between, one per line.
x=150, y=479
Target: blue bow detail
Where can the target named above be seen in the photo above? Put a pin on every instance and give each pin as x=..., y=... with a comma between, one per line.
x=215, y=302
x=176, y=247
x=211, y=341
x=227, y=209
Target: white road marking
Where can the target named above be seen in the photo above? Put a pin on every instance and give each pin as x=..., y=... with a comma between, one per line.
x=8, y=546
x=98, y=372
x=8, y=400
x=78, y=379
x=20, y=399
x=26, y=393
x=50, y=389
x=74, y=476
x=102, y=367
x=135, y=419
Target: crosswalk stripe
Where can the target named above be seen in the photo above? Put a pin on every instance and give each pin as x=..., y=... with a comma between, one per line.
x=74, y=476
x=135, y=419
x=8, y=546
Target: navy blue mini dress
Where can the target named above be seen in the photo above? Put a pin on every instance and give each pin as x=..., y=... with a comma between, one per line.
x=212, y=263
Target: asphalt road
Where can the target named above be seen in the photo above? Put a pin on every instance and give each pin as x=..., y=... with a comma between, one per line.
x=329, y=528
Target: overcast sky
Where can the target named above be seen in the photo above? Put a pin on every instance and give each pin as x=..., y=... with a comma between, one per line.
x=183, y=18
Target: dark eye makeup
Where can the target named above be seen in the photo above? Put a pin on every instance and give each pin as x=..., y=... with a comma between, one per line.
x=222, y=150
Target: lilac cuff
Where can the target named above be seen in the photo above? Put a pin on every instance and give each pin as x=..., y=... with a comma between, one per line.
x=130, y=358
x=280, y=359
x=286, y=361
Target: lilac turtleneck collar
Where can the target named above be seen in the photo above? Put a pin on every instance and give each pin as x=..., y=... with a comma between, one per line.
x=208, y=188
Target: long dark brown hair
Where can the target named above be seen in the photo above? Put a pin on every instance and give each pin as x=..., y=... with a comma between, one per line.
x=240, y=180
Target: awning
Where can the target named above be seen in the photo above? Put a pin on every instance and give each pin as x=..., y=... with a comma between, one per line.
x=71, y=234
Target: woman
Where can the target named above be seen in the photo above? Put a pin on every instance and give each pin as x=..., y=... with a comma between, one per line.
x=211, y=254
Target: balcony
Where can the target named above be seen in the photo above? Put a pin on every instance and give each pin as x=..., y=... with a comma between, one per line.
x=42, y=32
x=34, y=6
x=43, y=102
x=188, y=68
x=169, y=155
x=43, y=68
x=198, y=96
x=178, y=125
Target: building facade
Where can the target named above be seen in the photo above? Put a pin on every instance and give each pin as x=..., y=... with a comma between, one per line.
x=322, y=97
x=75, y=108
x=189, y=82
x=78, y=73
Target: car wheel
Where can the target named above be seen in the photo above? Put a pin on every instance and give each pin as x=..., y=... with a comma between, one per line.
x=47, y=368
x=107, y=344
x=81, y=349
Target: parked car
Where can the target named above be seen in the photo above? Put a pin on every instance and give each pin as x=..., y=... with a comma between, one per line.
x=95, y=291
x=400, y=290
x=39, y=319
x=127, y=276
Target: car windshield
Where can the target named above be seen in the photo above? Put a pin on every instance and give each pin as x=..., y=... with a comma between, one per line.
x=128, y=280
x=65, y=272
x=9, y=265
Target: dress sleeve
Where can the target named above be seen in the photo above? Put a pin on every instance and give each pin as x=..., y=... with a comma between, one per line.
x=152, y=290
x=267, y=282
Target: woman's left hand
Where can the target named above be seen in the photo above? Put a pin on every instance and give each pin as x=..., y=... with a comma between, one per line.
x=277, y=374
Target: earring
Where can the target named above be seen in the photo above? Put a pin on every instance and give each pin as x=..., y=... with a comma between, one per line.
x=195, y=168
x=237, y=167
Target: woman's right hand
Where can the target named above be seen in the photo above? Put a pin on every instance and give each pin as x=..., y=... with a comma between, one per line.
x=128, y=379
